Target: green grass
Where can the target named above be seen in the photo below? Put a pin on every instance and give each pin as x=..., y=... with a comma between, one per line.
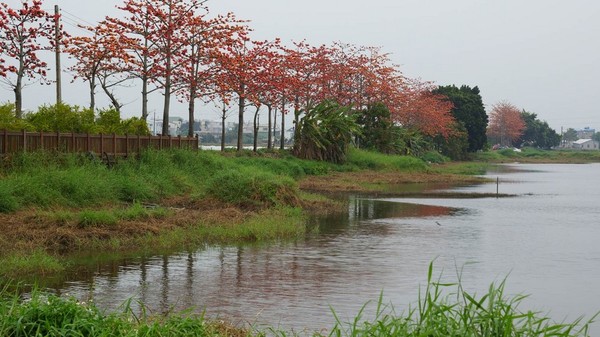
x=537, y=155
x=50, y=315
x=91, y=218
x=271, y=225
x=446, y=309
x=37, y=262
x=361, y=159
x=52, y=180
x=463, y=168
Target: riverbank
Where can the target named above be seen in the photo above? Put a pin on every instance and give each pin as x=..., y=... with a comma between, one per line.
x=530, y=155
x=53, y=205
x=287, y=203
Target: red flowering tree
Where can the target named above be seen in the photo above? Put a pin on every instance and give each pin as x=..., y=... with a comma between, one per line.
x=506, y=124
x=24, y=32
x=101, y=58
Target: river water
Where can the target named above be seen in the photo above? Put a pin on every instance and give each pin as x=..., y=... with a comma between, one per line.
x=545, y=240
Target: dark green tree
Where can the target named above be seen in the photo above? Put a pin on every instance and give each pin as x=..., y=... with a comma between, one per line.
x=570, y=135
x=456, y=145
x=469, y=112
x=537, y=133
x=377, y=129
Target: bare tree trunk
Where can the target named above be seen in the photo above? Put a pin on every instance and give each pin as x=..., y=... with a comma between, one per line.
x=241, y=106
x=145, y=98
x=282, y=140
x=18, y=89
x=255, y=129
x=92, y=94
x=191, y=107
x=274, y=127
x=269, y=136
x=223, y=117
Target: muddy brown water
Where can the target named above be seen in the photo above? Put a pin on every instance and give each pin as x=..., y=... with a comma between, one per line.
x=546, y=240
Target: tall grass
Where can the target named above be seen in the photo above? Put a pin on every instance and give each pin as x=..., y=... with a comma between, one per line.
x=439, y=313
x=36, y=262
x=377, y=161
x=49, y=180
x=50, y=315
x=274, y=224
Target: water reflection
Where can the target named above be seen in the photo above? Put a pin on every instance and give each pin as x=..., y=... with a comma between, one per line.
x=546, y=238
x=283, y=282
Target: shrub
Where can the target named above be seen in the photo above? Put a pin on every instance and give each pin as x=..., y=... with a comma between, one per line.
x=434, y=157
x=247, y=188
x=8, y=203
x=374, y=160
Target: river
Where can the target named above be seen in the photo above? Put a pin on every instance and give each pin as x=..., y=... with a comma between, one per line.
x=545, y=240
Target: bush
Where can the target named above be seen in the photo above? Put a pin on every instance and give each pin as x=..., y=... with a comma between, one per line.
x=434, y=157
x=248, y=188
x=8, y=203
x=378, y=161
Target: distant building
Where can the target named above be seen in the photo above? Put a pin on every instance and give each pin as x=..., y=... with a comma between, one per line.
x=586, y=144
x=586, y=133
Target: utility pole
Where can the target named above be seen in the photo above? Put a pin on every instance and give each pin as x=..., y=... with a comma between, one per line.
x=57, y=54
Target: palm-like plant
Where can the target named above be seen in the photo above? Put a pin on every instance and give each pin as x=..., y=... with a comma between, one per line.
x=325, y=133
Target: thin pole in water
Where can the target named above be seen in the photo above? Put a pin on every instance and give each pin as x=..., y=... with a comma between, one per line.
x=497, y=184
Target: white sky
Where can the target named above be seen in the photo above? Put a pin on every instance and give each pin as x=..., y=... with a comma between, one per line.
x=541, y=55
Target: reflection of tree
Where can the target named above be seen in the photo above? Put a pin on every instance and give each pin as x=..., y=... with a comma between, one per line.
x=368, y=209
x=164, y=301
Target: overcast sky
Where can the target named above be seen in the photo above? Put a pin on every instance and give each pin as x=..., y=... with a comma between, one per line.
x=541, y=55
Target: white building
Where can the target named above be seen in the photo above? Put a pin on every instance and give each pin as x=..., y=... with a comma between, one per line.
x=586, y=144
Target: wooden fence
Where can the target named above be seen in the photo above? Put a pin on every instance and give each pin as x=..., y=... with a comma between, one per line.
x=22, y=141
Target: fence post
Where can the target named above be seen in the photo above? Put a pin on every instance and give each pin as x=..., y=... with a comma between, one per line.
x=24, y=140
x=126, y=145
x=160, y=142
x=5, y=142
x=197, y=143
x=101, y=143
x=41, y=140
x=139, y=145
x=114, y=143
x=73, y=142
x=87, y=142
x=179, y=139
x=170, y=142
x=57, y=141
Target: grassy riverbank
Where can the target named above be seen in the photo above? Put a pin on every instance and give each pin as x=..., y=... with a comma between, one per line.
x=441, y=310
x=530, y=155
x=54, y=204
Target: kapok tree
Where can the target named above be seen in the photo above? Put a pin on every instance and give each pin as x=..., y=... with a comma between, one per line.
x=241, y=64
x=199, y=75
x=140, y=44
x=101, y=58
x=24, y=32
x=506, y=124
x=424, y=110
x=308, y=69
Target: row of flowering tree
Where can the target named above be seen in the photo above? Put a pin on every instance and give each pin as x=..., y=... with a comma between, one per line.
x=179, y=48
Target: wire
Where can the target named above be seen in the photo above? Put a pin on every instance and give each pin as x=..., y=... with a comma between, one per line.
x=76, y=18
